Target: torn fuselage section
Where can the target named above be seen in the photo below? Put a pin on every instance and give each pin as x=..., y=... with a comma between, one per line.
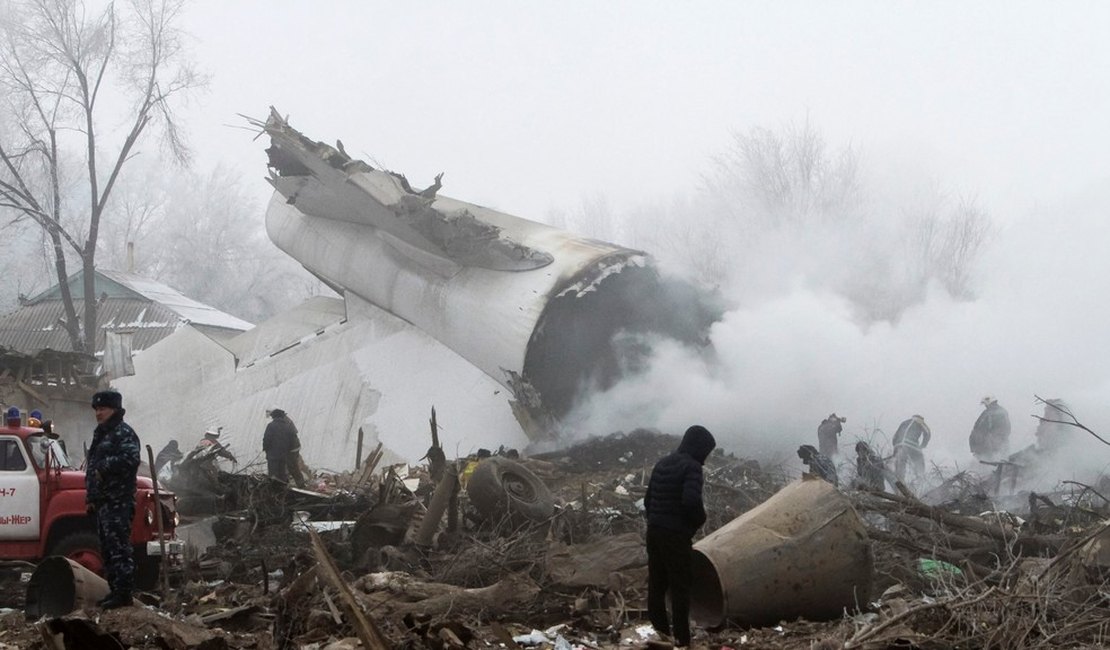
x=318, y=178
x=596, y=328
x=547, y=313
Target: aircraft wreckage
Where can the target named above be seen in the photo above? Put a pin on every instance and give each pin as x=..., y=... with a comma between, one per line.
x=536, y=308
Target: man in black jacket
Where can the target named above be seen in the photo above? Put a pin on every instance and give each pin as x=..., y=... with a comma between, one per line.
x=674, y=509
x=111, y=465
x=282, y=446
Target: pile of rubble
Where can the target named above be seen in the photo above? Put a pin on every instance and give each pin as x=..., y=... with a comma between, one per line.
x=547, y=551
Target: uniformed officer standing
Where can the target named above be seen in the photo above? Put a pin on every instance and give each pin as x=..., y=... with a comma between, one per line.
x=113, y=461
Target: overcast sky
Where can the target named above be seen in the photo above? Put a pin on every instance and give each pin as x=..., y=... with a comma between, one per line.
x=530, y=106
x=534, y=106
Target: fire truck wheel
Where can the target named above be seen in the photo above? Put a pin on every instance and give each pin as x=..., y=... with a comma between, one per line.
x=82, y=547
x=501, y=486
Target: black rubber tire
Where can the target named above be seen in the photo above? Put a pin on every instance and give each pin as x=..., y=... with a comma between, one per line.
x=499, y=486
x=76, y=543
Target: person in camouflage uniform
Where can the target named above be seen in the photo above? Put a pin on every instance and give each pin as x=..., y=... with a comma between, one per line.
x=110, y=469
x=819, y=464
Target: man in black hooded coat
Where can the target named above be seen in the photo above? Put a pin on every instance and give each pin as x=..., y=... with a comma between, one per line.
x=674, y=509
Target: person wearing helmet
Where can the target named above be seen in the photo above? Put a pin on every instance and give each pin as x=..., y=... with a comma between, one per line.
x=819, y=464
x=911, y=437
x=990, y=437
x=211, y=442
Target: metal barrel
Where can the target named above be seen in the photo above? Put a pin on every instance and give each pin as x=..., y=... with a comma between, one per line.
x=59, y=586
x=803, y=552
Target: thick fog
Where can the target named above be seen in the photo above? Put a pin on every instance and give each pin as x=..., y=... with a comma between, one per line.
x=931, y=126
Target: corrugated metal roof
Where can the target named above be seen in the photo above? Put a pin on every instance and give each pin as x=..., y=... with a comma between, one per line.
x=188, y=309
x=37, y=325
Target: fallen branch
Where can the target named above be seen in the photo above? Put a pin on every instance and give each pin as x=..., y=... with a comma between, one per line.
x=1072, y=421
x=871, y=632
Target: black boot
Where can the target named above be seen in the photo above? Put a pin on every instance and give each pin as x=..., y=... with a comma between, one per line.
x=116, y=599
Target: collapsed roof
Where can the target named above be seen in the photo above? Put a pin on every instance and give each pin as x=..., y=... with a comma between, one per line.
x=128, y=303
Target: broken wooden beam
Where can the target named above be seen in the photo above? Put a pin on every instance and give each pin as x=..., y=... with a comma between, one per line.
x=367, y=632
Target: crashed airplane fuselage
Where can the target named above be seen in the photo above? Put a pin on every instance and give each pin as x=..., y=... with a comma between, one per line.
x=534, y=307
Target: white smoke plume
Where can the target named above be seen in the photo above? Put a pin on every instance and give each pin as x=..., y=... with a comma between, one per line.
x=792, y=350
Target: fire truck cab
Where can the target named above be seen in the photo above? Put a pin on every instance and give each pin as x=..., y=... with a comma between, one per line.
x=42, y=508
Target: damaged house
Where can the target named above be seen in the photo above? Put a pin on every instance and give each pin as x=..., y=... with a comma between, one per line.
x=499, y=322
x=39, y=368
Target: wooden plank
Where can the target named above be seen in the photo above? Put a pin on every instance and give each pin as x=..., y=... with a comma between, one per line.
x=367, y=631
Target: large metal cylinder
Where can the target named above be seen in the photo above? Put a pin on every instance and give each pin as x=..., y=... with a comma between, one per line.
x=803, y=552
x=60, y=586
x=518, y=299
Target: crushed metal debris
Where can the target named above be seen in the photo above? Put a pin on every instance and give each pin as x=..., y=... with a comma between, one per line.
x=395, y=558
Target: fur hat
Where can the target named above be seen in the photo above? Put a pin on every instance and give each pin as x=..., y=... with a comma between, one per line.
x=277, y=413
x=107, y=398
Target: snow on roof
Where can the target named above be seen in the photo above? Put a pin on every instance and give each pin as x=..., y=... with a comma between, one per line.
x=188, y=309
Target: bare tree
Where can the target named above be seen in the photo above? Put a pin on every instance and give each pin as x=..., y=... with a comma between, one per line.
x=64, y=67
x=966, y=231
x=945, y=242
x=177, y=219
x=772, y=190
x=786, y=177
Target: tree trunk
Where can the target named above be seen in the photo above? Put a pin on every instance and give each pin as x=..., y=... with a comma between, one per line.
x=90, y=299
x=72, y=325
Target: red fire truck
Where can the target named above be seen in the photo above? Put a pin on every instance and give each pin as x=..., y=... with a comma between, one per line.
x=42, y=508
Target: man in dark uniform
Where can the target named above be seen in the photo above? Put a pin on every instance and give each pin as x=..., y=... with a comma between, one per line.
x=169, y=455
x=990, y=437
x=282, y=447
x=674, y=509
x=113, y=461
